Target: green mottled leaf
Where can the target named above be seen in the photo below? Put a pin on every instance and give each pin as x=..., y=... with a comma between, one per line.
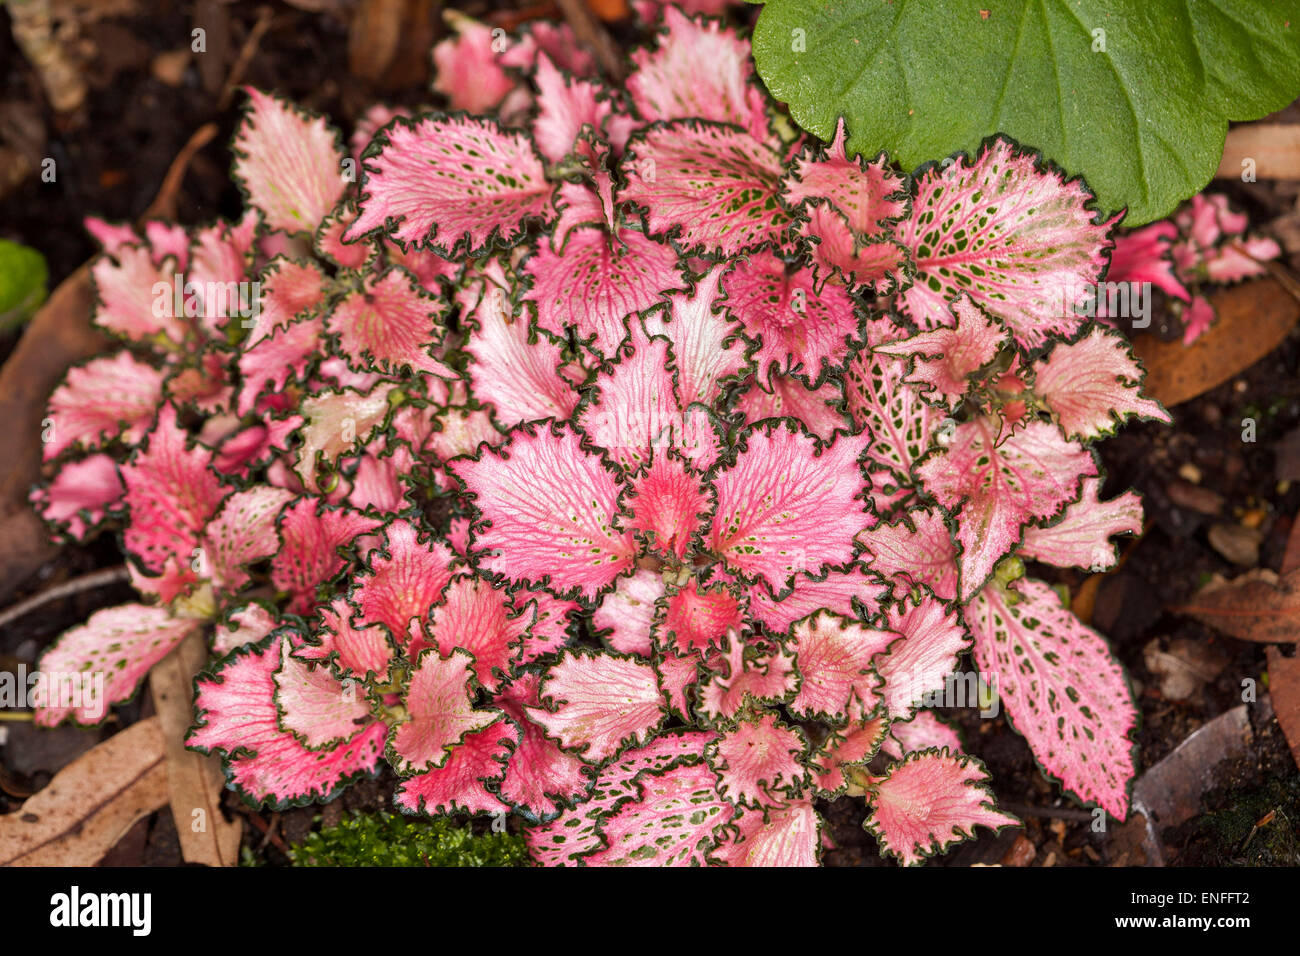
x=1134, y=95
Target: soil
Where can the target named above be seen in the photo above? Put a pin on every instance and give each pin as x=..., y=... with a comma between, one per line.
x=111, y=158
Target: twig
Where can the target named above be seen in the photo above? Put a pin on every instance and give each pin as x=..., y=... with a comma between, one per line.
x=164, y=204
x=264, y=16
x=267, y=832
x=591, y=34
x=87, y=582
x=1050, y=813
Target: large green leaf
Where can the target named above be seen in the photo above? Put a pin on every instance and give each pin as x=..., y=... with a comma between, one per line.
x=1140, y=111
x=23, y=277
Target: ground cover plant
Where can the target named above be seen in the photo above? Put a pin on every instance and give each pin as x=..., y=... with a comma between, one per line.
x=615, y=458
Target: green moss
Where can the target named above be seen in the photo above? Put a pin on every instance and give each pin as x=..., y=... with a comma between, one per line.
x=1257, y=828
x=382, y=839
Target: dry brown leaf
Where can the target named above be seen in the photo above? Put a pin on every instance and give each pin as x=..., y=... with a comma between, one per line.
x=1274, y=147
x=91, y=803
x=1284, y=688
x=195, y=782
x=1256, y=606
x=1253, y=319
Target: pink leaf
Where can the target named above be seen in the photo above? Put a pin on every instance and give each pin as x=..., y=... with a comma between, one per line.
x=314, y=706
x=1093, y=385
x=1017, y=238
x=1081, y=539
x=779, y=836
x=920, y=733
x=104, y=399
x=539, y=775
x=799, y=329
x=849, y=593
x=625, y=615
x=787, y=506
x=290, y=290
x=550, y=509
x=597, y=281
x=564, y=108
x=135, y=299
x=552, y=618
x=711, y=186
x=933, y=640
x=389, y=325
x=460, y=784
x=852, y=745
x=285, y=354
x=918, y=549
x=242, y=532
x=171, y=492
x=457, y=183
x=1143, y=256
x=242, y=626
x=761, y=677
x=671, y=823
x=602, y=703
x=312, y=538
x=337, y=422
x=81, y=495
x=871, y=196
x=1062, y=688
x=667, y=502
x=758, y=761
x=931, y=801
x=441, y=712
x=834, y=658
x=667, y=82
x=820, y=409
x=468, y=67
x=1030, y=477
x=696, y=619
x=945, y=359
x=404, y=580
x=707, y=345
x=289, y=162
x=236, y=717
x=880, y=267
x=349, y=649
x=103, y=661
x=477, y=617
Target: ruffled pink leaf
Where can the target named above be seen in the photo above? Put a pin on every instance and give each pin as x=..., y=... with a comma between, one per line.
x=625, y=615
x=880, y=267
x=852, y=745
x=1093, y=385
x=601, y=703
x=666, y=505
x=933, y=640
x=242, y=532
x=1030, y=477
x=1062, y=688
x=403, y=580
x=564, y=108
x=763, y=678
x=707, y=345
x=517, y=376
x=468, y=66
x=668, y=83
x=350, y=649
x=712, y=187
x=871, y=196
x=557, y=41
x=1143, y=256
x=337, y=422
x=931, y=801
x=135, y=298
x=635, y=418
x=478, y=618
x=834, y=658
x=312, y=538
x=550, y=509
x=851, y=593
x=695, y=619
x=242, y=626
x=574, y=833
x=171, y=492
x=457, y=183
x=1017, y=238
x=779, y=836
x=236, y=717
x=597, y=281
x=104, y=399
x=922, y=732
x=677, y=675
x=787, y=506
x=549, y=630
x=81, y=495
x=945, y=359
x=799, y=329
x=784, y=396
x=459, y=784
x=539, y=775
x=390, y=325
x=103, y=661
x=441, y=712
x=314, y=705
x=918, y=549
x=1082, y=538
x=290, y=290
x=758, y=761
x=671, y=823
x=1197, y=318
x=270, y=363
x=290, y=163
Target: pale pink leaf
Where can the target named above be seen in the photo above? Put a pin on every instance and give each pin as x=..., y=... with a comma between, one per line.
x=671, y=823
x=849, y=593
x=107, y=398
x=81, y=495
x=539, y=775
x=243, y=531
x=918, y=549
x=477, y=617
x=821, y=409
x=933, y=640
x=881, y=266
x=336, y=422
x=758, y=761
x=761, y=677
x=625, y=615
x=869, y=194
x=1081, y=539
x=707, y=345
x=313, y=537
x=135, y=298
x=314, y=705
x=945, y=359
x=242, y=626
x=834, y=657
x=778, y=836
x=403, y=580
x=440, y=712
x=389, y=325
x=460, y=783
x=564, y=107
x=350, y=649
x=468, y=67
x=601, y=704
x=922, y=732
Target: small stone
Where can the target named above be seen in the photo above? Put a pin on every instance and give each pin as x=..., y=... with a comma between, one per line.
x=1237, y=543
x=1189, y=472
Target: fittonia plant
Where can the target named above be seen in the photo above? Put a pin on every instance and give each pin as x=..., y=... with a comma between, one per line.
x=638, y=471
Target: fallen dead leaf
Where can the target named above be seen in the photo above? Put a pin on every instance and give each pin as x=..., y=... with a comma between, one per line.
x=1237, y=543
x=195, y=782
x=1284, y=688
x=1183, y=667
x=1256, y=606
x=91, y=803
x=1274, y=148
x=1253, y=319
